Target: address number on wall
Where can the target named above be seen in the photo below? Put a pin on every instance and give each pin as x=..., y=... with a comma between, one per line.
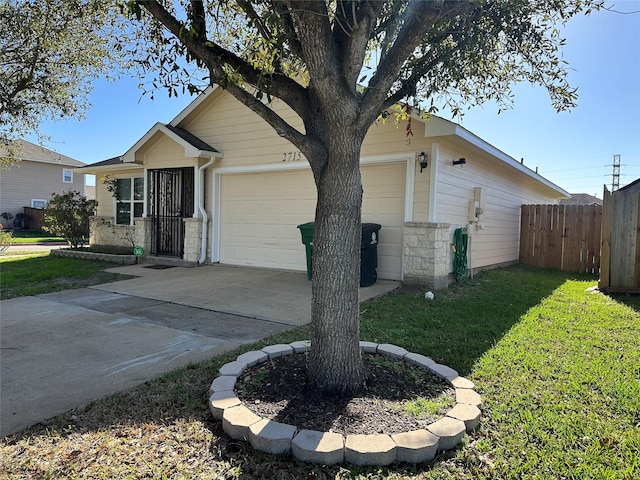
x=292, y=157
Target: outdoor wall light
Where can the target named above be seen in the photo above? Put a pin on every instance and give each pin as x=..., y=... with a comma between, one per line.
x=460, y=161
x=422, y=158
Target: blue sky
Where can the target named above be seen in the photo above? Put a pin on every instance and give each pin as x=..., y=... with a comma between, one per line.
x=572, y=149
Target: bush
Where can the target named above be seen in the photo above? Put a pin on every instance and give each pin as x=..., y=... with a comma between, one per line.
x=67, y=215
x=5, y=240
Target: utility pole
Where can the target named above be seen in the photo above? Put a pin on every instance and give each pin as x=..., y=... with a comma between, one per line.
x=615, y=181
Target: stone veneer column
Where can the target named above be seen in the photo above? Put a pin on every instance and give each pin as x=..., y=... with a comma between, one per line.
x=192, y=239
x=427, y=248
x=100, y=230
x=143, y=233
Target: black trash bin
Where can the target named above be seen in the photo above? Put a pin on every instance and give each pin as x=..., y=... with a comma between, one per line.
x=368, y=251
x=369, y=254
x=306, y=230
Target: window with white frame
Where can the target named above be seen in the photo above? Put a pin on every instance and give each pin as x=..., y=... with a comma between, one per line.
x=38, y=203
x=130, y=202
x=67, y=175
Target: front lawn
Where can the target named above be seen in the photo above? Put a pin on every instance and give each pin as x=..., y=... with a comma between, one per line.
x=23, y=236
x=36, y=273
x=557, y=365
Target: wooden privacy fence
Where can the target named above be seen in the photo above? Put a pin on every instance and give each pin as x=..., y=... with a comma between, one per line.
x=561, y=236
x=620, y=242
x=36, y=218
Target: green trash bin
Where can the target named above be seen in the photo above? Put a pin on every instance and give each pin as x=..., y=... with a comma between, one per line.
x=306, y=230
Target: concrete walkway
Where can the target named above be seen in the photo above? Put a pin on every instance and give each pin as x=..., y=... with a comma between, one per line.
x=62, y=350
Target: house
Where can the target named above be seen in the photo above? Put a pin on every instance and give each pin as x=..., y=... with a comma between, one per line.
x=39, y=173
x=217, y=184
x=581, y=199
x=631, y=187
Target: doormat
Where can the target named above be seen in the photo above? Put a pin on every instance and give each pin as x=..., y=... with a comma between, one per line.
x=159, y=267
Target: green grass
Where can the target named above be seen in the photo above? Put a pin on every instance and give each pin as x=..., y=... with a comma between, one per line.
x=36, y=273
x=22, y=236
x=558, y=368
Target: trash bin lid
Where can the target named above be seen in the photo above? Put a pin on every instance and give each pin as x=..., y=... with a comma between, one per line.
x=366, y=227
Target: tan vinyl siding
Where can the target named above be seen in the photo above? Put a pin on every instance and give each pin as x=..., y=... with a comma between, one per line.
x=246, y=139
x=164, y=152
x=106, y=202
x=242, y=135
x=504, y=192
x=34, y=180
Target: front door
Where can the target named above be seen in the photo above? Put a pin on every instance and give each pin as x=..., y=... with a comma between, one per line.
x=170, y=200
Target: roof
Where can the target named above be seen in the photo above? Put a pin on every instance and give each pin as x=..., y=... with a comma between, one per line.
x=106, y=165
x=191, y=139
x=581, y=199
x=438, y=127
x=631, y=187
x=37, y=153
x=192, y=145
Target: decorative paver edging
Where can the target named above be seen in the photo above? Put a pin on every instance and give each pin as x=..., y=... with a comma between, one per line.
x=327, y=448
x=106, y=257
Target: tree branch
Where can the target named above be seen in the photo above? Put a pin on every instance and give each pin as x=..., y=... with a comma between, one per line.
x=311, y=20
x=419, y=18
x=360, y=17
x=280, y=86
x=288, y=27
x=216, y=57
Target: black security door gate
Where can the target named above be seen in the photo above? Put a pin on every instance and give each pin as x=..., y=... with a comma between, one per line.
x=170, y=200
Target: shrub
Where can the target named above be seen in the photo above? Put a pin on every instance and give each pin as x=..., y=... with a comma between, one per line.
x=67, y=215
x=5, y=240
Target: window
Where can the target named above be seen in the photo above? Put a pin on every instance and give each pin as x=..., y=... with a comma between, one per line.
x=67, y=175
x=38, y=203
x=130, y=200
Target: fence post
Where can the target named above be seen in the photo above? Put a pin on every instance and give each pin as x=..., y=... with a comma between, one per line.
x=605, y=247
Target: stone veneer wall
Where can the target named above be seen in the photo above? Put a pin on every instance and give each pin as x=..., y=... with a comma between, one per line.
x=192, y=239
x=103, y=231
x=426, y=259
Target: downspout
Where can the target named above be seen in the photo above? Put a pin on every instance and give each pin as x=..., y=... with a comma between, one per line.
x=203, y=212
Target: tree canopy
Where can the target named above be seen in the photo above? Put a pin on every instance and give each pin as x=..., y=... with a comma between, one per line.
x=341, y=65
x=50, y=52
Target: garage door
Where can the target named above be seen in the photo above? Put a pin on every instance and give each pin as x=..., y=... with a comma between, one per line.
x=260, y=213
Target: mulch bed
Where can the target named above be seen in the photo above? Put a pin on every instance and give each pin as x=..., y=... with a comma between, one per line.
x=276, y=390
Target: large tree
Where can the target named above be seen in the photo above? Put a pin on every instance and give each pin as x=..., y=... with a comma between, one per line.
x=312, y=55
x=50, y=52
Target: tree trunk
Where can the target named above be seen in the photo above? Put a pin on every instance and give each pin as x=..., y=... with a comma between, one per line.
x=335, y=364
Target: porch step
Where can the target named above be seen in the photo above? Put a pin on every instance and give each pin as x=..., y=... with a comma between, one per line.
x=168, y=261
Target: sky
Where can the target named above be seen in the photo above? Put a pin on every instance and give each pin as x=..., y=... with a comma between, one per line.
x=575, y=150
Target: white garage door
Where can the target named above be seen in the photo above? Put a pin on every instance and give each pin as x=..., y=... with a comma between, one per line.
x=260, y=213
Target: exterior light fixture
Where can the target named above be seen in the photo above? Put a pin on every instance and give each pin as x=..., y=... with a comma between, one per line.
x=460, y=161
x=422, y=158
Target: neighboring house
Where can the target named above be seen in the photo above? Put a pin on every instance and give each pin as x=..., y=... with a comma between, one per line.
x=581, y=199
x=38, y=173
x=631, y=187
x=218, y=185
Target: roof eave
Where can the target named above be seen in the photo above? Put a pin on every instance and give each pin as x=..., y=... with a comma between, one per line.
x=189, y=150
x=107, y=168
x=444, y=127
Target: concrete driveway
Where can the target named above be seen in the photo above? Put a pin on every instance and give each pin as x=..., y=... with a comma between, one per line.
x=62, y=350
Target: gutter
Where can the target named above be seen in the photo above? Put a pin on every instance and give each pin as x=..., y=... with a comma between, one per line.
x=203, y=212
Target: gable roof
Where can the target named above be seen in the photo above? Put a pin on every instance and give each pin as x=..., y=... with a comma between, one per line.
x=581, y=199
x=193, y=146
x=31, y=152
x=632, y=187
x=106, y=165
